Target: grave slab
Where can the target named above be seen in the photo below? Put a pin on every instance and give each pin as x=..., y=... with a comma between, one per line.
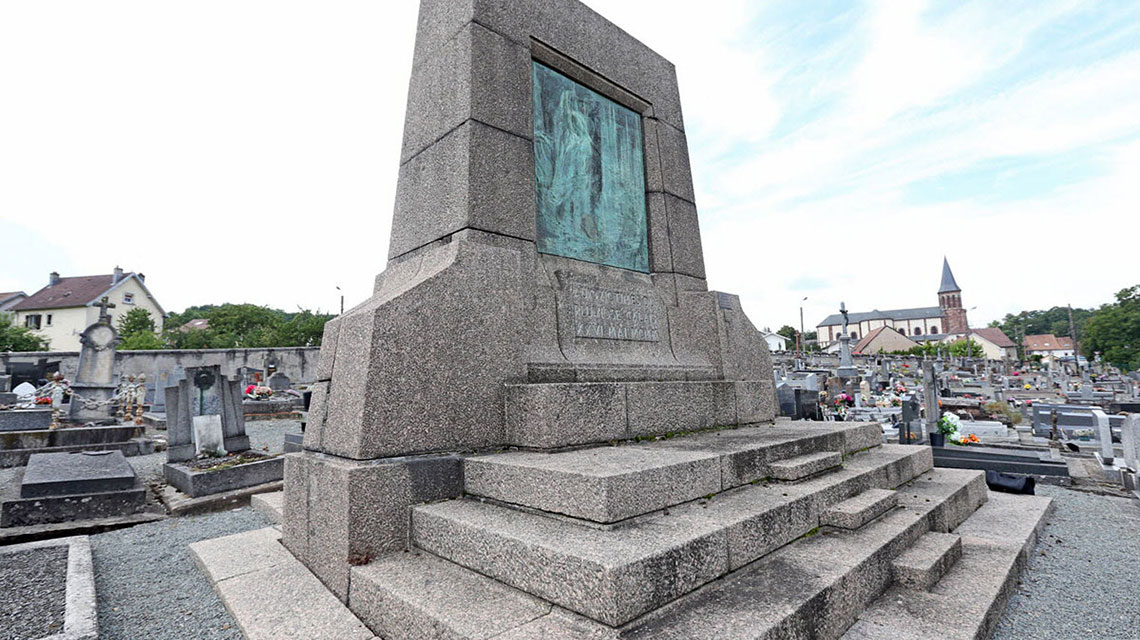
x=56, y=474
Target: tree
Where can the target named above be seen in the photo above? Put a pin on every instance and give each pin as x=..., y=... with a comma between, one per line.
x=246, y=326
x=1114, y=331
x=16, y=338
x=788, y=332
x=967, y=348
x=136, y=331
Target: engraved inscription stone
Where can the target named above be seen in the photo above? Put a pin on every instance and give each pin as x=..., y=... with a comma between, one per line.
x=614, y=315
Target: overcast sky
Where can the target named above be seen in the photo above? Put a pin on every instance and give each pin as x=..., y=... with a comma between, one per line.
x=247, y=151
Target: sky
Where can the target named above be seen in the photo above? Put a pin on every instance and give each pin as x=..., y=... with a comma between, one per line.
x=247, y=151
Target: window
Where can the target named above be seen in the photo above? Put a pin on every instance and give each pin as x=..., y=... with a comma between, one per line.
x=854, y=335
x=918, y=331
x=32, y=321
x=48, y=323
x=934, y=329
x=128, y=298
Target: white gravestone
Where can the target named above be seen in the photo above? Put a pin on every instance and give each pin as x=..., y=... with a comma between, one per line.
x=208, y=434
x=1104, y=435
x=1130, y=438
x=25, y=392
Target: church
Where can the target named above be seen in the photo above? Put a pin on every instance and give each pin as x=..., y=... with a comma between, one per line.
x=921, y=324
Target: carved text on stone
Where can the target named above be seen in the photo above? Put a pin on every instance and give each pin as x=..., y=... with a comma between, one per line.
x=614, y=315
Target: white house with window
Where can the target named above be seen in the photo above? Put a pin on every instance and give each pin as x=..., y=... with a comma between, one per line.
x=67, y=306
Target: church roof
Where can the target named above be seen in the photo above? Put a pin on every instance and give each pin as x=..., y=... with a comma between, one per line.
x=894, y=314
x=948, y=284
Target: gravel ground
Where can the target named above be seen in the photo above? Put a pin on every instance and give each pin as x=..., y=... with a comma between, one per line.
x=33, y=587
x=1081, y=579
x=148, y=587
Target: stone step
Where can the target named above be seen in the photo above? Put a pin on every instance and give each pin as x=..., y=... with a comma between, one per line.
x=858, y=511
x=416, y=596
x=969, y=600
x=818, y=586
x=923, y=565
x=560, y=414
x=271, y=505
x=616, y=575
x=609, y=484
x=805, y=466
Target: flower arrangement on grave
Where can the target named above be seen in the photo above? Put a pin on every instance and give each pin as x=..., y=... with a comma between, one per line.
x=896, y=401
x=965, y=439
x=1028, y=387
x=43, y=400
x=844, y=400
x=948, y=425
x=900, y=388
x=257, y=392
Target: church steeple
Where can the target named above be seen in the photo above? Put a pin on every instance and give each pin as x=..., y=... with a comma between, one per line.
x=948, y=283
x=950, y=300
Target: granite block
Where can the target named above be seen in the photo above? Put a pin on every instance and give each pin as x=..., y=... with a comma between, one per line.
x=328, y=350
x=858, y=511
x=408, y=595
x=685, y=237
x=656, y=408
x=561, y=414
x=755, y=401
x=603, y=484
x=477, y=75
x=54, y=474
x=923, y=565
x=610, y=576
x=806, y=465
x=340, y=513
x=25, y=419
x=20, y=512
x=196, y=483
x=660, y=252
x=676, y=176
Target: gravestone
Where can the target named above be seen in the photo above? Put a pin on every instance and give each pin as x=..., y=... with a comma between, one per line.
x=94, y=380
x=545, y=284
x=204, y=391
x=279, y=382
x=61, y=487
x=1130, y=441
x=930, y=397
x=208, y=435
x=1104, y=436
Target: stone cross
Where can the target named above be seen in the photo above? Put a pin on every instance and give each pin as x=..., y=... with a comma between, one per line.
x=104, y=304
x=930, y=397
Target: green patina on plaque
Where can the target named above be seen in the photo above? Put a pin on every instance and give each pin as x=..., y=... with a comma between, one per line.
x=589, y=174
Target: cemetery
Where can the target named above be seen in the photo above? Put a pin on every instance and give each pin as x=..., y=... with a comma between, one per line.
x=547, y=422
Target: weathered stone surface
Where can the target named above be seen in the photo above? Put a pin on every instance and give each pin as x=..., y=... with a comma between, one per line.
x=603, y=484
x=475, y=176
x=245, y=567
x=552, y=415
x=858, y=511
x=25, y=419
x=664, y=407
x=19, y=512
x=414, y=596
x=755, y=401
x=55, y=474
x=271, y=505
x=805, y=465
x=196, y=483
x=924, y=564
x=340, y=511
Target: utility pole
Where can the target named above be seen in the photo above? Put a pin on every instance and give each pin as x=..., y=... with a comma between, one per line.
x=1073, y=337
x=803, y=343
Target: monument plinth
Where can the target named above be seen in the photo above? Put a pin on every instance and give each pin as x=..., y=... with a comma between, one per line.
x=94, y=381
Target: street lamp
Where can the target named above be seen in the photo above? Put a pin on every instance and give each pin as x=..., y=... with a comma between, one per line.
x=341, y=301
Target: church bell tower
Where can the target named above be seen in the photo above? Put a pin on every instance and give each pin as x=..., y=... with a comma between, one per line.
x=950, y=300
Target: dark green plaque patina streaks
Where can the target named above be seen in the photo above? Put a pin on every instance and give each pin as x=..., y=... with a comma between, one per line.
x=589, y=174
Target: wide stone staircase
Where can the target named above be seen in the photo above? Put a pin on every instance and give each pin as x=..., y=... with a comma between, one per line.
x=794, y=530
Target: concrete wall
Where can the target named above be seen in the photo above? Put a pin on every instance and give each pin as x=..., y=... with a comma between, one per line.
x=166, y=365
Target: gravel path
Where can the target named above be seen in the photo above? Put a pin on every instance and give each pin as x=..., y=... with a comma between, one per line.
x=33, y=584
x=148, y=586
x=1081, y=580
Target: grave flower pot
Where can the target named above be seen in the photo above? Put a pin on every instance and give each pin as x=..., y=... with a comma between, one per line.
x=937, y=440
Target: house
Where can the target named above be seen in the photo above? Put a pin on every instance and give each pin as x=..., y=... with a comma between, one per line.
x=949, y=317
x=883, y=340
x=1051, y=348
x=197, y=324
x=995, y=344
x=776, y=342
x=9, y=300
x=67, y=306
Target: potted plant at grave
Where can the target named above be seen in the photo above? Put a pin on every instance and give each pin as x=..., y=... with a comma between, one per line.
x=947, y=427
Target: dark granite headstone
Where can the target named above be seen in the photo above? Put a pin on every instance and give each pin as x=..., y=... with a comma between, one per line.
x=55, y=474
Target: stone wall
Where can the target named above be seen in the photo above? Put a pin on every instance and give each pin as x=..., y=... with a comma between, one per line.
x=299, y=363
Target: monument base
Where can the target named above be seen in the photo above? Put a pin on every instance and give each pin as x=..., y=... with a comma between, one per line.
x=80, y=413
